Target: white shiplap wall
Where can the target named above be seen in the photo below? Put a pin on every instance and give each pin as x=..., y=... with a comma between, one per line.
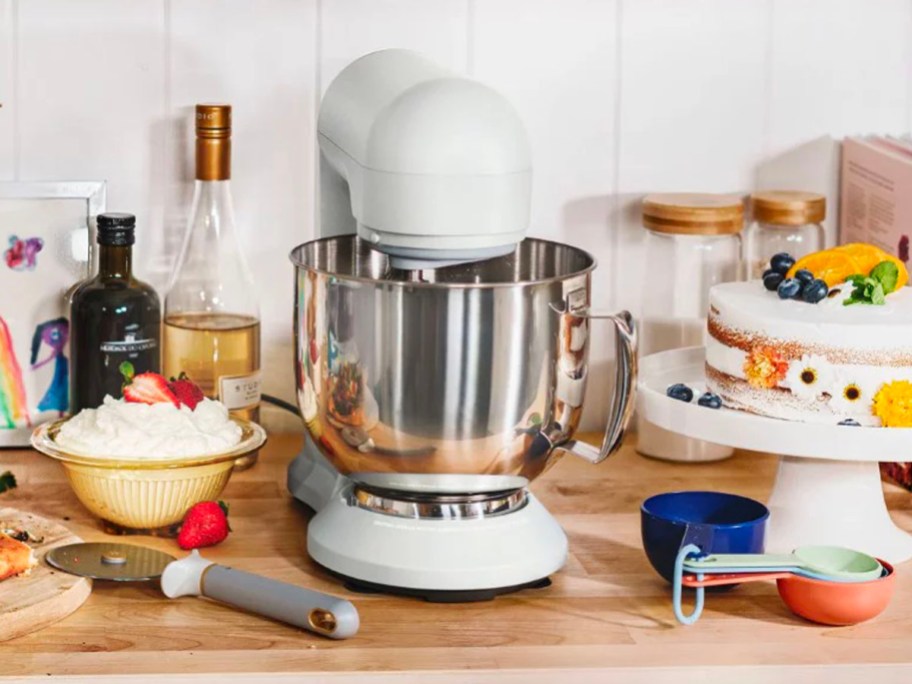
x=621, y=97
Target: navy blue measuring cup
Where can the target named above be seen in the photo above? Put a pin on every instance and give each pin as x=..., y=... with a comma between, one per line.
x=715, y=522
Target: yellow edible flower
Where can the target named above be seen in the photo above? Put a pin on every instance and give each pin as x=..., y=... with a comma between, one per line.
x=893, y=404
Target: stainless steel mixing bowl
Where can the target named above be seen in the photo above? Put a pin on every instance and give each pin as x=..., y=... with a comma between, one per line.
x=462, y=379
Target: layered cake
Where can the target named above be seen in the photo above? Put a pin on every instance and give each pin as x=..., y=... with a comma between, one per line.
x=841, y=356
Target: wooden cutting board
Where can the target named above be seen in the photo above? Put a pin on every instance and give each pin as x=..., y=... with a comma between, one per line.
x=46, y=595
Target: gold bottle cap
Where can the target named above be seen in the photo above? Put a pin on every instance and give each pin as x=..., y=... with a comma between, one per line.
x=213, y=142
x=788, y=207
x=693, y=213
x=213, y=120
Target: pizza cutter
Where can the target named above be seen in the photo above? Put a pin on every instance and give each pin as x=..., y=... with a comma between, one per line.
x=193, y=575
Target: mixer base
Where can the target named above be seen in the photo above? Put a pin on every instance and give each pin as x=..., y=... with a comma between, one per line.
x=469, y=559
x=443, y=560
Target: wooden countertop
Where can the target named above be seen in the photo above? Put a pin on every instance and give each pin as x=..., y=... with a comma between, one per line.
x=606, y=612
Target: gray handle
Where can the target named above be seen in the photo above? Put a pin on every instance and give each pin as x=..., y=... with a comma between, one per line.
x=623, y=402
x=311, y=610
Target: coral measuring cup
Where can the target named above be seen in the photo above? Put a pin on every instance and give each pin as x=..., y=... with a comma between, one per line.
x=837, y=603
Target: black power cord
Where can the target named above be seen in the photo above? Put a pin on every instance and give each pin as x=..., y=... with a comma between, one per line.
x=281, y=403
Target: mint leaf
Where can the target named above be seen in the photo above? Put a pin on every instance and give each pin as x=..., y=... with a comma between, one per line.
x=867, y=291
x=127, y=371
x=7, y=482
x=887, y=274
x=856, y=279
x=878, y=296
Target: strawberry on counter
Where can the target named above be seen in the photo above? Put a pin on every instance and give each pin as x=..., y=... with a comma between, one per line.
x=205, y=524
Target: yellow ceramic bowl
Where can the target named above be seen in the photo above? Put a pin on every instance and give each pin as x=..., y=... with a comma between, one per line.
x=146, y=495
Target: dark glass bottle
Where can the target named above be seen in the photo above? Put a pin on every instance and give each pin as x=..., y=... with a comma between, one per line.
x=113, y=318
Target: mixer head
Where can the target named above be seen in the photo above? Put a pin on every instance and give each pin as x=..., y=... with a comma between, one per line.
x=429, y=167
x=419, y=262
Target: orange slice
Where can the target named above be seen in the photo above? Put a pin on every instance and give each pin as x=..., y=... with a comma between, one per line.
x=868, y=256
x=830, y=266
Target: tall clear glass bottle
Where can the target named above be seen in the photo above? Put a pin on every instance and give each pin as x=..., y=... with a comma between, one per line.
x=212, y=319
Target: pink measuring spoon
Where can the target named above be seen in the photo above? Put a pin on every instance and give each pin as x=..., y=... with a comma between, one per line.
x=720, y=580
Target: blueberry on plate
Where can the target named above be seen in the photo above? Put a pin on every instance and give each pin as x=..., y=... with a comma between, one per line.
x=680, y=391
x=782, y=262
x=815, y=291
x=771, y=279
x=804, y=276
x=789, y=288
x=710, y=400
x=851, y=422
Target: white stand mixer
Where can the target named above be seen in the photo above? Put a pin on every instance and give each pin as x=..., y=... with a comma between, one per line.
x=433, y=170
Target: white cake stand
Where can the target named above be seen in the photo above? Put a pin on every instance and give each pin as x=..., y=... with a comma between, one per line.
x=828, y=488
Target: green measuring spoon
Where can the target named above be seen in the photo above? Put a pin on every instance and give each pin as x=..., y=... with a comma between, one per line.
x=832, y=561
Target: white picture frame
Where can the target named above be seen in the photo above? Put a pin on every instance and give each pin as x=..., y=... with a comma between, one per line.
x=47, y=245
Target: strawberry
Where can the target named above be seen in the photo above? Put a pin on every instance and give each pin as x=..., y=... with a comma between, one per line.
x=205, y=524
x=187, y=392
x=145, y=388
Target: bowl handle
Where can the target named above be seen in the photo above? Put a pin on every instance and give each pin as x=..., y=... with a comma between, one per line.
x=623, y=401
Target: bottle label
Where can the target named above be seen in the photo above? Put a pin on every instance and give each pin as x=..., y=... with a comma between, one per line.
x=128, y=346
x=240, y=391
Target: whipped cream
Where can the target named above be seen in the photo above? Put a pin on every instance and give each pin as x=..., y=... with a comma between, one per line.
x=121, y=429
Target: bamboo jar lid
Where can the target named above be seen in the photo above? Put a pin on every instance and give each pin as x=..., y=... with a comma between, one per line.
x=693, y=213
x=788, y=207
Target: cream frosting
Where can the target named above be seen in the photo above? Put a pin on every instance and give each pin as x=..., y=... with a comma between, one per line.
x=128, y=430
x=748, y=306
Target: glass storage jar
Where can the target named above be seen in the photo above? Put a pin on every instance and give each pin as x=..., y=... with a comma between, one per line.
x=693, y=242
x=783, y=221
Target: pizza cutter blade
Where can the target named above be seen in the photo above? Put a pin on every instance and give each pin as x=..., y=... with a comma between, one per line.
x=193, y=575
x=110, y=561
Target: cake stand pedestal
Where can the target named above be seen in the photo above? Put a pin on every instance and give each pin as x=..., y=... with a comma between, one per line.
x=827, y=488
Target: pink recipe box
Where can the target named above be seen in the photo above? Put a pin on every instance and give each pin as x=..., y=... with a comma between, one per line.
x=875, y=201
x=875, y=206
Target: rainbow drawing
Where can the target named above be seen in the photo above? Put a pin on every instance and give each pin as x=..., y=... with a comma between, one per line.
x=13, y=407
